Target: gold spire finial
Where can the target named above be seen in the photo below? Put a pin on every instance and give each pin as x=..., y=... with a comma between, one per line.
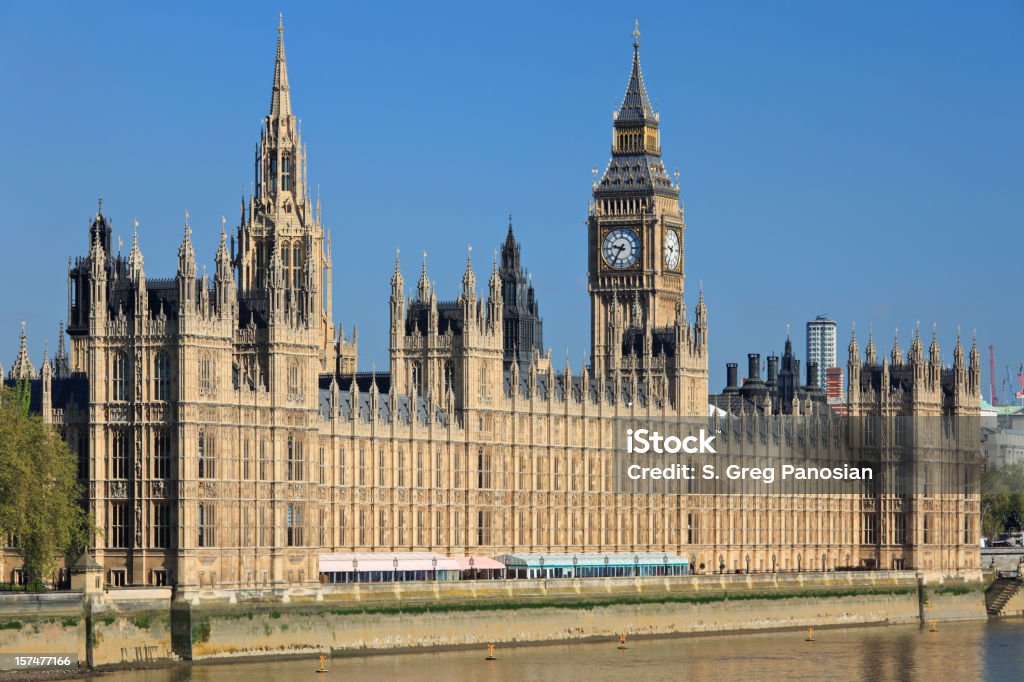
x=636, y=33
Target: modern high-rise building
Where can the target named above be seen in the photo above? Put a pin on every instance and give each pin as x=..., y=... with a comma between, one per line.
x=821, y=345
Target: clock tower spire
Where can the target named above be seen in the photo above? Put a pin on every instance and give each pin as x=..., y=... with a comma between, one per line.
x=635, y=241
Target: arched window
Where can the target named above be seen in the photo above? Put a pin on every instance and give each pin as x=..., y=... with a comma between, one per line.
x=119, y=377
x=161, y=377
x=293, y=378
x=205, y=372
x=296, y=263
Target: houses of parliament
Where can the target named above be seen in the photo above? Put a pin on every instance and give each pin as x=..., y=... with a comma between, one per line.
x=226, y=439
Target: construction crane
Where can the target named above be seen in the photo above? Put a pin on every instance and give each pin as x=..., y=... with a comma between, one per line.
x=1020, y=378
x=992, y=375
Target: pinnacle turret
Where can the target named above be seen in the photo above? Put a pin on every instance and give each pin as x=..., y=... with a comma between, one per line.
x=23, y=367
x=186, y=253
x=280, y=98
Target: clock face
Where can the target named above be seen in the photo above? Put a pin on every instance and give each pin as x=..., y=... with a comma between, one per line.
x=621, y=248
x=671, y=250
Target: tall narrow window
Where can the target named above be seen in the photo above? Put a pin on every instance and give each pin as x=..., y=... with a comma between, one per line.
x=296, y=266
x=286, y=173
x=119, y=377
x=161, y=377
x=294, y=459
x=205, y=523
x=161, y=454
x=323, y=468
x=117, y=524
x=263, y=460
x=118, y=463
x=294, y=525
x=161, y=537
x=206, y=460
x=205, y=372
x=293, y=378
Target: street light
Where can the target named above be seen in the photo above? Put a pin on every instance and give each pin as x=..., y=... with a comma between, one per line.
x=472, y=568
x=575, y=561
x=355, y=568
x=664, y=558
x=721, y=564
x=542, y=574
x=394, y=576
x=433, y=562
x=605, y=565
x=636, y=564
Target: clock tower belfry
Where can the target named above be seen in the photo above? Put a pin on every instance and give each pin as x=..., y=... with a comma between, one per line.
x=635, y=245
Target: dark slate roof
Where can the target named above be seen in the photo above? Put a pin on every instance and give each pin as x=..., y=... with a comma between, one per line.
x=62, y=392
x=634, y=172
x=404, y=408
x=636, y=106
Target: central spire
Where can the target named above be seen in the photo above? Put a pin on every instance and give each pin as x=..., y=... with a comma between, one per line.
x=636, y=106
x=280, y=99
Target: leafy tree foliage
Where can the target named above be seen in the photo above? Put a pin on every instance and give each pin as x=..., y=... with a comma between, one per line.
x=39, y=495
x=1002, y=499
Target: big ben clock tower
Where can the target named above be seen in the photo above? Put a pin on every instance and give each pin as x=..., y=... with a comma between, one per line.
x=635, y=237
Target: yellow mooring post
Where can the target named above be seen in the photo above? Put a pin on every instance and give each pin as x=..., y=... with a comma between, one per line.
x=810, y=635
x=935, y=626
x=622, y=641
x=490, y=653
x=323, y=665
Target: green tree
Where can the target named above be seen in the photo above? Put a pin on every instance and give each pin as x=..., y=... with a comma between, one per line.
x=1002, y=499
x=39, y=495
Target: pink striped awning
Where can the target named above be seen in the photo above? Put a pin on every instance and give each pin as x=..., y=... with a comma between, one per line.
x=479, y=562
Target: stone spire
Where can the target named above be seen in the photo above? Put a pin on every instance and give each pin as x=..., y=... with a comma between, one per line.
x=23, y=367
x=934, y=356
x=397, y=281
x=135, y=255
x=423, y=286
x=916, y=353
x=871, y=353
x=468, y=278
x=62, y=366
x=958, y=352
x=896, y=354
x=853, y=350
x=280, y=97
x=186, y=253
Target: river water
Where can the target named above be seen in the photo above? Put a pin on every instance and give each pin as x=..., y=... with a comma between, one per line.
x=958, y=651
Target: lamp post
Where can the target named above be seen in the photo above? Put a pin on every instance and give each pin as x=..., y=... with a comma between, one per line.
x=355, y=568
x=721, y=564
x=664, y=558
x=433, y=562
x=636, y=564
x=394, y=575
x=472, y=568
x=575, y=562
x=542, y=574
x=605, y=565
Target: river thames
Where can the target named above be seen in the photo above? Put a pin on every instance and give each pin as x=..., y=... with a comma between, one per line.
x=957, y=651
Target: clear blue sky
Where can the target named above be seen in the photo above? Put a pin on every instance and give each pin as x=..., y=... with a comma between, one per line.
x=858, y=159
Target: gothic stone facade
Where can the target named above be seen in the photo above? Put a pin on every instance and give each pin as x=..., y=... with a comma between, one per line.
x=226, y=438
